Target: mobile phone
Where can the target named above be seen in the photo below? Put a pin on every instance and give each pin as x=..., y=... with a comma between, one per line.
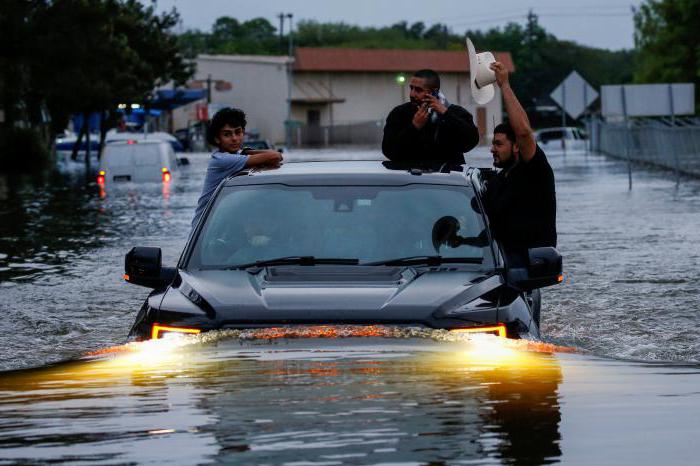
x=435, y=93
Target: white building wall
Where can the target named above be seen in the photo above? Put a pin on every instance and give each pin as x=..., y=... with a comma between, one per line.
x=259, y=89
x=186, y=115
x=371, y=96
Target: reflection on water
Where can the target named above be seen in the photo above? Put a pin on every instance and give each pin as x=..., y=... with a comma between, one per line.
x=352, y=401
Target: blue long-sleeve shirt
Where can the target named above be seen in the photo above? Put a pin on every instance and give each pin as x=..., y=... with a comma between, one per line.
x=221, y=165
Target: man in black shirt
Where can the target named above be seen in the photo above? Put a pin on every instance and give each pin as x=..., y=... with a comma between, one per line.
x=428, y=130
x=520, y=199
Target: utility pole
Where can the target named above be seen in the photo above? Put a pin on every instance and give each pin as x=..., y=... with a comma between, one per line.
x=209, y=89
x=290, y=77
x=291, y=35
x=281, y=17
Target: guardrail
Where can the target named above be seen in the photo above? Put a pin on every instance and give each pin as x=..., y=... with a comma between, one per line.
x=671, y=145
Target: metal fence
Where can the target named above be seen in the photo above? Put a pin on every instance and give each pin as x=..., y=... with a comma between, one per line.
x=662, y=143
x=365, y=133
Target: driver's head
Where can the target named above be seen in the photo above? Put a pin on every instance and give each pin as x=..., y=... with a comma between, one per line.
x=421, y=84
x=504, y=147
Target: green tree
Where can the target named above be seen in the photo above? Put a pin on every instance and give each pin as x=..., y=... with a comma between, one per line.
x=119, y=54
x=542, y=61
x=667, y=41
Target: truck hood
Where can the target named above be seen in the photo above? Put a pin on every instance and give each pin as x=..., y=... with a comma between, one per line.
x=336, y=293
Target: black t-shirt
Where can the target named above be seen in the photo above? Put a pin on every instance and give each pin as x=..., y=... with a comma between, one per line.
x=521, y=205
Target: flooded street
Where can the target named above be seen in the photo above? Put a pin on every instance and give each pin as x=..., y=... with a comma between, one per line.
x=627, y=395
x=353, y=401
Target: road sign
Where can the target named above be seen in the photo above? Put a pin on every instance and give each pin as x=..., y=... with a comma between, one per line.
x=639, y=100
x=574, y=95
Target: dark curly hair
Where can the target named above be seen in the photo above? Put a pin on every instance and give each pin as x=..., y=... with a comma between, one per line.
x=226, y=116
x=505, y=128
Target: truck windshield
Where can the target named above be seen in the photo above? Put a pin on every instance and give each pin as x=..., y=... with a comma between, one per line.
x=368, y=223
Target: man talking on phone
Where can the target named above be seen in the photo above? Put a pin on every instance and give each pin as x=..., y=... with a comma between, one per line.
x=428, y=130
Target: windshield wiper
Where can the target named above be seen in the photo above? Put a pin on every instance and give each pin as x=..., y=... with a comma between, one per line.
x=296, y=260
x=430, y=261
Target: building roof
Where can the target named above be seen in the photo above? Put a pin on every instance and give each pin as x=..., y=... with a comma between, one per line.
x=387, y=60
x=271, y=59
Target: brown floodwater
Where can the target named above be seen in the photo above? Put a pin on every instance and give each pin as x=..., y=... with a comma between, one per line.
x=223, y=399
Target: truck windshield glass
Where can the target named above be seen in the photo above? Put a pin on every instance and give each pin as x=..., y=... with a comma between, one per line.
x=368, y=223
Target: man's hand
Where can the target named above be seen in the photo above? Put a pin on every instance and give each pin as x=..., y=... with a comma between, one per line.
x=434, y=103
x=501, y=73
x=421, y=117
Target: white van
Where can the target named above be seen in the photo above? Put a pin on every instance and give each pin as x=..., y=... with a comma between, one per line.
x=137, y=161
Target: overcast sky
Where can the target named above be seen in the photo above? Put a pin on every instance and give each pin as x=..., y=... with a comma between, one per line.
x=598, y=23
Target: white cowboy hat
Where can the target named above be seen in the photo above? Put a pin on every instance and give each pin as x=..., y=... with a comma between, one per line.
x=481, y=76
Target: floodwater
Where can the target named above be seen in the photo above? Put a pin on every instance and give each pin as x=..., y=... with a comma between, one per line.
x=629, y=394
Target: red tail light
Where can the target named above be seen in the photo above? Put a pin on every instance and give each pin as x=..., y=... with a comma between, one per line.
x=166, y=175
x=101, y=177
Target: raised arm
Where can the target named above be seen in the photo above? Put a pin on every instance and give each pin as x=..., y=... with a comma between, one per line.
x=516, y=114
x=263, y=157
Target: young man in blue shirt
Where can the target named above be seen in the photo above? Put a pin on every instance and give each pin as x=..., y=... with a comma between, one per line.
x=226, y=131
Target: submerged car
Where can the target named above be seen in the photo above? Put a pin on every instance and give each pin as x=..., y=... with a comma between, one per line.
x=335, y=243
x=137, y=161
x=563, y=138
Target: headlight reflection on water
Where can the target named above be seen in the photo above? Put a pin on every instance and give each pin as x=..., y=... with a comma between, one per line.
x=478, y=351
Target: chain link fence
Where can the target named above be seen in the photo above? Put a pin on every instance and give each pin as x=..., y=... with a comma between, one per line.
x=662, y=143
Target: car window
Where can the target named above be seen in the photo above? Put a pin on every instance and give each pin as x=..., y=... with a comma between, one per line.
x=118, y=156
x=147, y=155
x=368, y=223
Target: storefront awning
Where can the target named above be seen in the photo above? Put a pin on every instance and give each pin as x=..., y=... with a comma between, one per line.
x=168, y=99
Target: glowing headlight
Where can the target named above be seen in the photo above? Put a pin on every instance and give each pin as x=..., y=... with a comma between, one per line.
x=498, y=330
x=164, y=331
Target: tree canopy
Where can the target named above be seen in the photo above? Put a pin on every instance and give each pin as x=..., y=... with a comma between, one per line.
x=542, y=61
x=666, y=35
x=83, y=56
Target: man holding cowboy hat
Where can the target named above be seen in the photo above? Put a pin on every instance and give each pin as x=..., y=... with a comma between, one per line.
x=521, y=199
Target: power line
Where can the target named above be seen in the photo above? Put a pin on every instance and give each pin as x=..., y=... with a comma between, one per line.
x=563, y=10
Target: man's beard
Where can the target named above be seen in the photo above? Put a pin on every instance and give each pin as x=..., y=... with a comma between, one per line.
x=505, y=165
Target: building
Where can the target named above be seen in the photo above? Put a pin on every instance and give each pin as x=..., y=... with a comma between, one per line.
x=255, y=83
x=335, y=88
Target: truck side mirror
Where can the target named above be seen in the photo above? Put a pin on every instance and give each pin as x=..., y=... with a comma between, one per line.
x=142, y=266
x=544, y=268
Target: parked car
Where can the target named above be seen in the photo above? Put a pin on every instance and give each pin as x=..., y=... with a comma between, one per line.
x=563, y=138
x=362, y=243
x=137, y=161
